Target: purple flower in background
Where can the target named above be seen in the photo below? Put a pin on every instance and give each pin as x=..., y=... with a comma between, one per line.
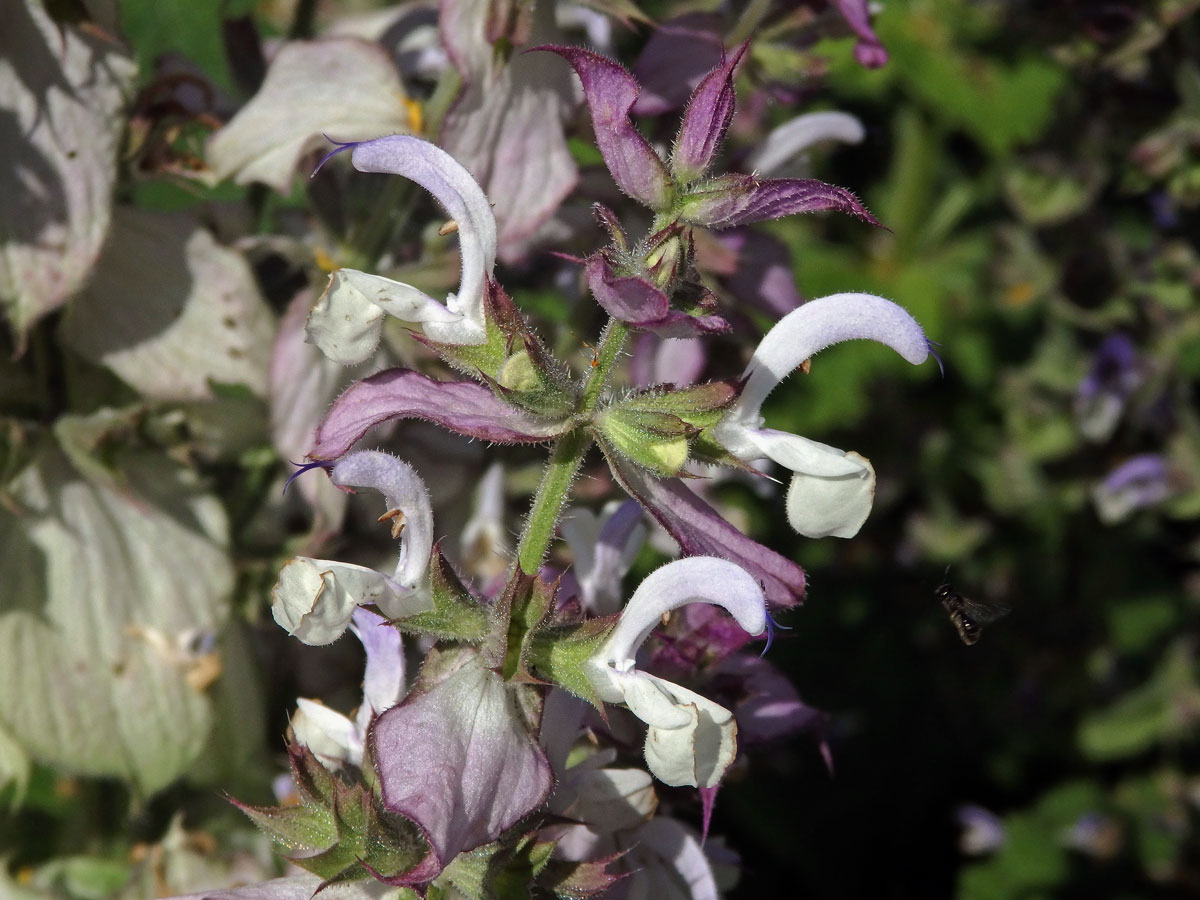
x=868, y=51
x=982, y=831
x=1140, y=481
x=1104, y=392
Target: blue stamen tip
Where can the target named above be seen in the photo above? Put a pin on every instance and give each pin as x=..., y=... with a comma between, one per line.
x=301, y=468
x=934, y=353
x=339, y=146
x=771, y=626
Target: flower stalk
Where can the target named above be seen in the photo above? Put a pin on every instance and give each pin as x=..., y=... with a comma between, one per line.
x=567, y=456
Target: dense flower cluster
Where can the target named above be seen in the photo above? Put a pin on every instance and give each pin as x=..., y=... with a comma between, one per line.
x=471, y=754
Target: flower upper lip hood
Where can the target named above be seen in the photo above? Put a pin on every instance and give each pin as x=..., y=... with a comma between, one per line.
x=347, y=321
x=831, y=491
x=690, y=740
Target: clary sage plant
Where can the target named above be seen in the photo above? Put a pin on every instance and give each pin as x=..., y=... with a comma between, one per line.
x=527, y=726
x=474, y=771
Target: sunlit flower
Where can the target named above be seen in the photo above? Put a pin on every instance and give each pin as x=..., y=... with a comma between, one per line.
x=347, y=321
x=691, y=740
x=831, y=490
x=315, y=598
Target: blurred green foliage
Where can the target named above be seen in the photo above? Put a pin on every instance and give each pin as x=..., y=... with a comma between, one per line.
x=1031, y=163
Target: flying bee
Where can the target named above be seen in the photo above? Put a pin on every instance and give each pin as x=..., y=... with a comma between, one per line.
x=966, y=615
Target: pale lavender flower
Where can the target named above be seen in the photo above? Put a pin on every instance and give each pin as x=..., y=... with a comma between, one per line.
x=347, y=322
x=1096, y=835
x=690, y=740
x=1102, y=395
x=831, y=491
x=981, y=830
x=795, y=136
x=337, y=739
x=1137, y=483
x=315, y=599
x=603, y=547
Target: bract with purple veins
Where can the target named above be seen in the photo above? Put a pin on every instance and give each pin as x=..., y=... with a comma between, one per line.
x=465, y=407
x=736, y=199
x=705, y=120
x=457, y=759
x=610, y=92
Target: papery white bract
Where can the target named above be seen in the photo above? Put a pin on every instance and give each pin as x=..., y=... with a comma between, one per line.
x=347, y=321
x=831, y=490
x=691, y=740
x=314, y=599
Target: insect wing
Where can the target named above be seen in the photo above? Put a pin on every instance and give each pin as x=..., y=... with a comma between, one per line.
x=969, y=616
x=982, y=612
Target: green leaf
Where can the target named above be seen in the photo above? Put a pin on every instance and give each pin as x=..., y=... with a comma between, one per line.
x=513, y=361
x=1156, y=712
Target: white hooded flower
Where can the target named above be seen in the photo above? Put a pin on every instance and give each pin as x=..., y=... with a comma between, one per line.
x=831, y=490
x=314, y=599
x=690, y=739
x=347, y=321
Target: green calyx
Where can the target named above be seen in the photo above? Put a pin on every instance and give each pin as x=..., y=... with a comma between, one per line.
x=339, y=831
x=655, y=441
x=456, y=615
x=513, y=361
x=559, y=653
x=656, y=429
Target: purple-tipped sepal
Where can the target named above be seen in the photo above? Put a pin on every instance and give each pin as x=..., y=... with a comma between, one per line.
x=735, y=199
x=705, y=120
x=610, y=91
x=638, y=302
